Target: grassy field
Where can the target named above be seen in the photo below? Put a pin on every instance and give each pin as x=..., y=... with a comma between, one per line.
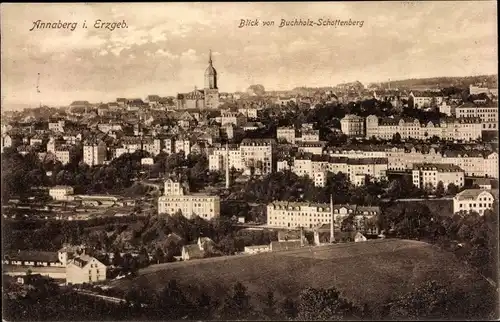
x=368, y=272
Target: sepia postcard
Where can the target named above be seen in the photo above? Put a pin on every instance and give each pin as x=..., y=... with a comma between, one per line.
x=250, y=161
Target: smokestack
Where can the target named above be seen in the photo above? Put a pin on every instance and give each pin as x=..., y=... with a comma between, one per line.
x=332, y=236
x=301, y=236
x=227, y=166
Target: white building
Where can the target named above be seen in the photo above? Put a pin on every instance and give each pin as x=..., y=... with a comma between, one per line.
x=175, y=199
x=487, y=113
x=61, y=192
x=286, y=133
x=257, y=155
x=85, y=269
x=94, y=154
x=353, y=125
x=465, y=129
x=428, y=175
x=286, y=214
x=57, y=126
x=476, y=200
x=256, y=249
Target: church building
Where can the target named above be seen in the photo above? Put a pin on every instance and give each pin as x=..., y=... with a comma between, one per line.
x=208, y=98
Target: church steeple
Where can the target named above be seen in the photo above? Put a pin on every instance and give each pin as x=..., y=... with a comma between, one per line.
x=210, y=74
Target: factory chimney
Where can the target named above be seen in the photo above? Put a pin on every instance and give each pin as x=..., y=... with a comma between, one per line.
x=227, y=166
x=301, y=236
x=332, y=236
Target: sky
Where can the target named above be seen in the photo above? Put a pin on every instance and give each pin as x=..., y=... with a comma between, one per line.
x=164, y=49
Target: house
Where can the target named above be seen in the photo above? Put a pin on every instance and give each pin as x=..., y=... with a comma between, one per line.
x=359, y=237
x=198, y=250
x=32, y=258
x=85, y=269
x=477, y=200
x=257, y=249
x=483, y=183
x=61, y=192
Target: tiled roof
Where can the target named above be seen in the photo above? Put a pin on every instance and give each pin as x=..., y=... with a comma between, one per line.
x=440, y=167
x=473, y=194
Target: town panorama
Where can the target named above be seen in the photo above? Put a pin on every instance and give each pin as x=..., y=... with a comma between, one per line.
x=356, y=200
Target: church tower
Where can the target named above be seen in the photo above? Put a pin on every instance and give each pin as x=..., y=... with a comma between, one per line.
x=210, y=74
x=211, y=91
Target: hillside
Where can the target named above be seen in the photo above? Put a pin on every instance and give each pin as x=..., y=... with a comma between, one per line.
x=489, y=81
x=370, y=272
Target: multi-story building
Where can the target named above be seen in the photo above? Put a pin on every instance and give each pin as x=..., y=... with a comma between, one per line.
x=61, y=192
x=249, y=112
x=169, y=145
x=257, y=155
x=63, y=153
x=183, y=145
x=487, y=113
x=217, y=160
x=229, y=117
x=315, y=147
x=308, y=164
x=94, y=154
x=465, y=129
x=85, y=269
x=152, y=145
x=425, y=100
x=353, y=125
x=57, y=126
x=286, y=133
x=176, y=199
x=476, y=200
x=361, y=151
x=286, y=214
x=308, y=135
x=428, y=175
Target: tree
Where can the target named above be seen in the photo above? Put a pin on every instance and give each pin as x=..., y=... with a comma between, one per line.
x=452, y=189
x=289, y=309
x=143, y=258
x=324, y=304
x=173, y=301
x=237, y=305
x=440, y=189
x=269, y=306
x=433, y=300
x=159, y=255
x=396, y=138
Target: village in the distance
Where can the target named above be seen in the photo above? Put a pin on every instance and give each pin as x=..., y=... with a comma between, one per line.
x=356, y=201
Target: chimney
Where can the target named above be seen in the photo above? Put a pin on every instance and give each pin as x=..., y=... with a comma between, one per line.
x=332, y=236
x=227, y=166
x=301, y=236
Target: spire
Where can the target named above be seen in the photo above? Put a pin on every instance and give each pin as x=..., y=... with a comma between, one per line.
x=210, y=57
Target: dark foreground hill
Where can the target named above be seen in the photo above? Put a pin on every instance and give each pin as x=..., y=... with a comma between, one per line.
x=368, y=273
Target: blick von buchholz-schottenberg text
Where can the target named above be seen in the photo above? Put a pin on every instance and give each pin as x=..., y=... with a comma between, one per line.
x=321, y=22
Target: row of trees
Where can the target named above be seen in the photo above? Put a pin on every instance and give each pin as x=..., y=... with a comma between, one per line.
x=21, y=173
x=472, y=237
x=290, y=187
x=431, y=300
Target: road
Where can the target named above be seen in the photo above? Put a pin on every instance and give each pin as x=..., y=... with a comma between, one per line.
x=111, y=299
